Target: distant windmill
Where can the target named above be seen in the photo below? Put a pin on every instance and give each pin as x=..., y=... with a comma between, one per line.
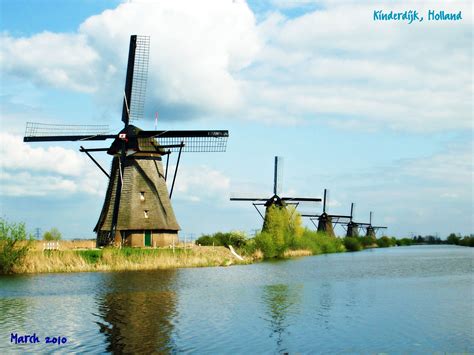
x=352, y=227
x=372, y=230
x=137, y=210
x=326, y=221
x=275, y=199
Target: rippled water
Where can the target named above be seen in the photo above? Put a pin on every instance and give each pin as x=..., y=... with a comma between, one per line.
x=407, y=299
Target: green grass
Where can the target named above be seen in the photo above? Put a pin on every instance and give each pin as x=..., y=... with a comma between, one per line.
x=90, y=256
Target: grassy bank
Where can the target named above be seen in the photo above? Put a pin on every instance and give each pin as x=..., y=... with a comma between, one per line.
x=110, y=259
x=283, y=236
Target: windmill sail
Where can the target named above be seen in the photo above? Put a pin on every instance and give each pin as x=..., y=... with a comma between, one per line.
x=45, y=132
x=139, y=81
x=136, y=79
x=194, y=140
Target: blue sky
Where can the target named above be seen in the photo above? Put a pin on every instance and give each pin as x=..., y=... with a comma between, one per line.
x=378, y=113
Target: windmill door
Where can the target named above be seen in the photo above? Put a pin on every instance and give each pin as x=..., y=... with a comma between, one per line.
x=148, y=238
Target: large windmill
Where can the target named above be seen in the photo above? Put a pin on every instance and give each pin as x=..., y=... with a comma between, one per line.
x=275, y=199
x=325, y=220
x=137, y=210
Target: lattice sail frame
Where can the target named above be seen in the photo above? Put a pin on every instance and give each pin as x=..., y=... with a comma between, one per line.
x=140, y=75
x=35, y=129
x=196, y=144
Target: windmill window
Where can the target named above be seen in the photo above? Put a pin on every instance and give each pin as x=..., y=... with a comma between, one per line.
x=142, y=195
x=146, y=213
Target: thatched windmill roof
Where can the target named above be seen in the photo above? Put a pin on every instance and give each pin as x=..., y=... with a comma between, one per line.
x=144, y=201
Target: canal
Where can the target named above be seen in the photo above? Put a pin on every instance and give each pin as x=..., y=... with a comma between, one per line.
x=405, y=299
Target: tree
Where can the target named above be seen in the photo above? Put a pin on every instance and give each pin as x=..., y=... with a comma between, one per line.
x=453, y=239
x=52, y=234
x=14, y=245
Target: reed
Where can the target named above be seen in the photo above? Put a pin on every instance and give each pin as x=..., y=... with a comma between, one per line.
x=110, y=259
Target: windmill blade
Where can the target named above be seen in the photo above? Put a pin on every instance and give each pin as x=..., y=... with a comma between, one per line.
x=338, y=216
x=194, y=140
x=136, y=79
x=324, y=201
x=277, y=175
x=43, y=132
x=362, y=224
x=248, y=199
x=352, y=210
x=118, y=193
x=301, y=199
x=311, y=215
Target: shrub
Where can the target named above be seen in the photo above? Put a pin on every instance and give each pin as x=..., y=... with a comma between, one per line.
x=453, y=239
x=404, y=241
x=385, y=242
x=283, y=225
x=14, y=245
x=205, y=240
x=249, y=247
x=368, y=241
x=265, y=242
x=467, y=241
x=52, y=234
x=237, y=239
x=352, y=243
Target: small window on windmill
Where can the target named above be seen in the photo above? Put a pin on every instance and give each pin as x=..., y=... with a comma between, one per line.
x=146, y=213
x=142, y=195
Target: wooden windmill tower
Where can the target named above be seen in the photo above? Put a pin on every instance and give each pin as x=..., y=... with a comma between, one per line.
x=137, y=209
x=326, y=221
x=275, y=199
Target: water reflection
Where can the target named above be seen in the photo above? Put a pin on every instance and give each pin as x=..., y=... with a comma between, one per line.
x=136, y=311
x=325, y=304
x=282, y=303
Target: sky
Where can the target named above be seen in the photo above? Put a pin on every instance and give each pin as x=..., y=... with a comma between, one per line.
x=377, y=112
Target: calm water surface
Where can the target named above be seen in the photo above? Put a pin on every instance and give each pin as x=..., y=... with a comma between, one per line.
x=407, y=299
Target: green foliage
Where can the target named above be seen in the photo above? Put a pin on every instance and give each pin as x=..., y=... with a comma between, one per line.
x=368, y=241
x=352, y=243
x=282, y=231
x=236, y=239
x=14, y=245
x=52, y=235
x=91, y=256
x=267, y=245
x=249, y=247
x=453, y=239
x=282, y=228
x=405, y=241
x=467, y=241
x=206, y=240
x=386, y=242
x=317, y=243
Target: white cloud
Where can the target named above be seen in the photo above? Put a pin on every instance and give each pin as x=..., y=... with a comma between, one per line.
x=453, y=167
x=200, y=182
x=55, y=59
x=28, y=171
x=333, y=64
x=338, y=65
x=196, y=47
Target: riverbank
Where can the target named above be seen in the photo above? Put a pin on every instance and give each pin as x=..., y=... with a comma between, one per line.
x=110, y=259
